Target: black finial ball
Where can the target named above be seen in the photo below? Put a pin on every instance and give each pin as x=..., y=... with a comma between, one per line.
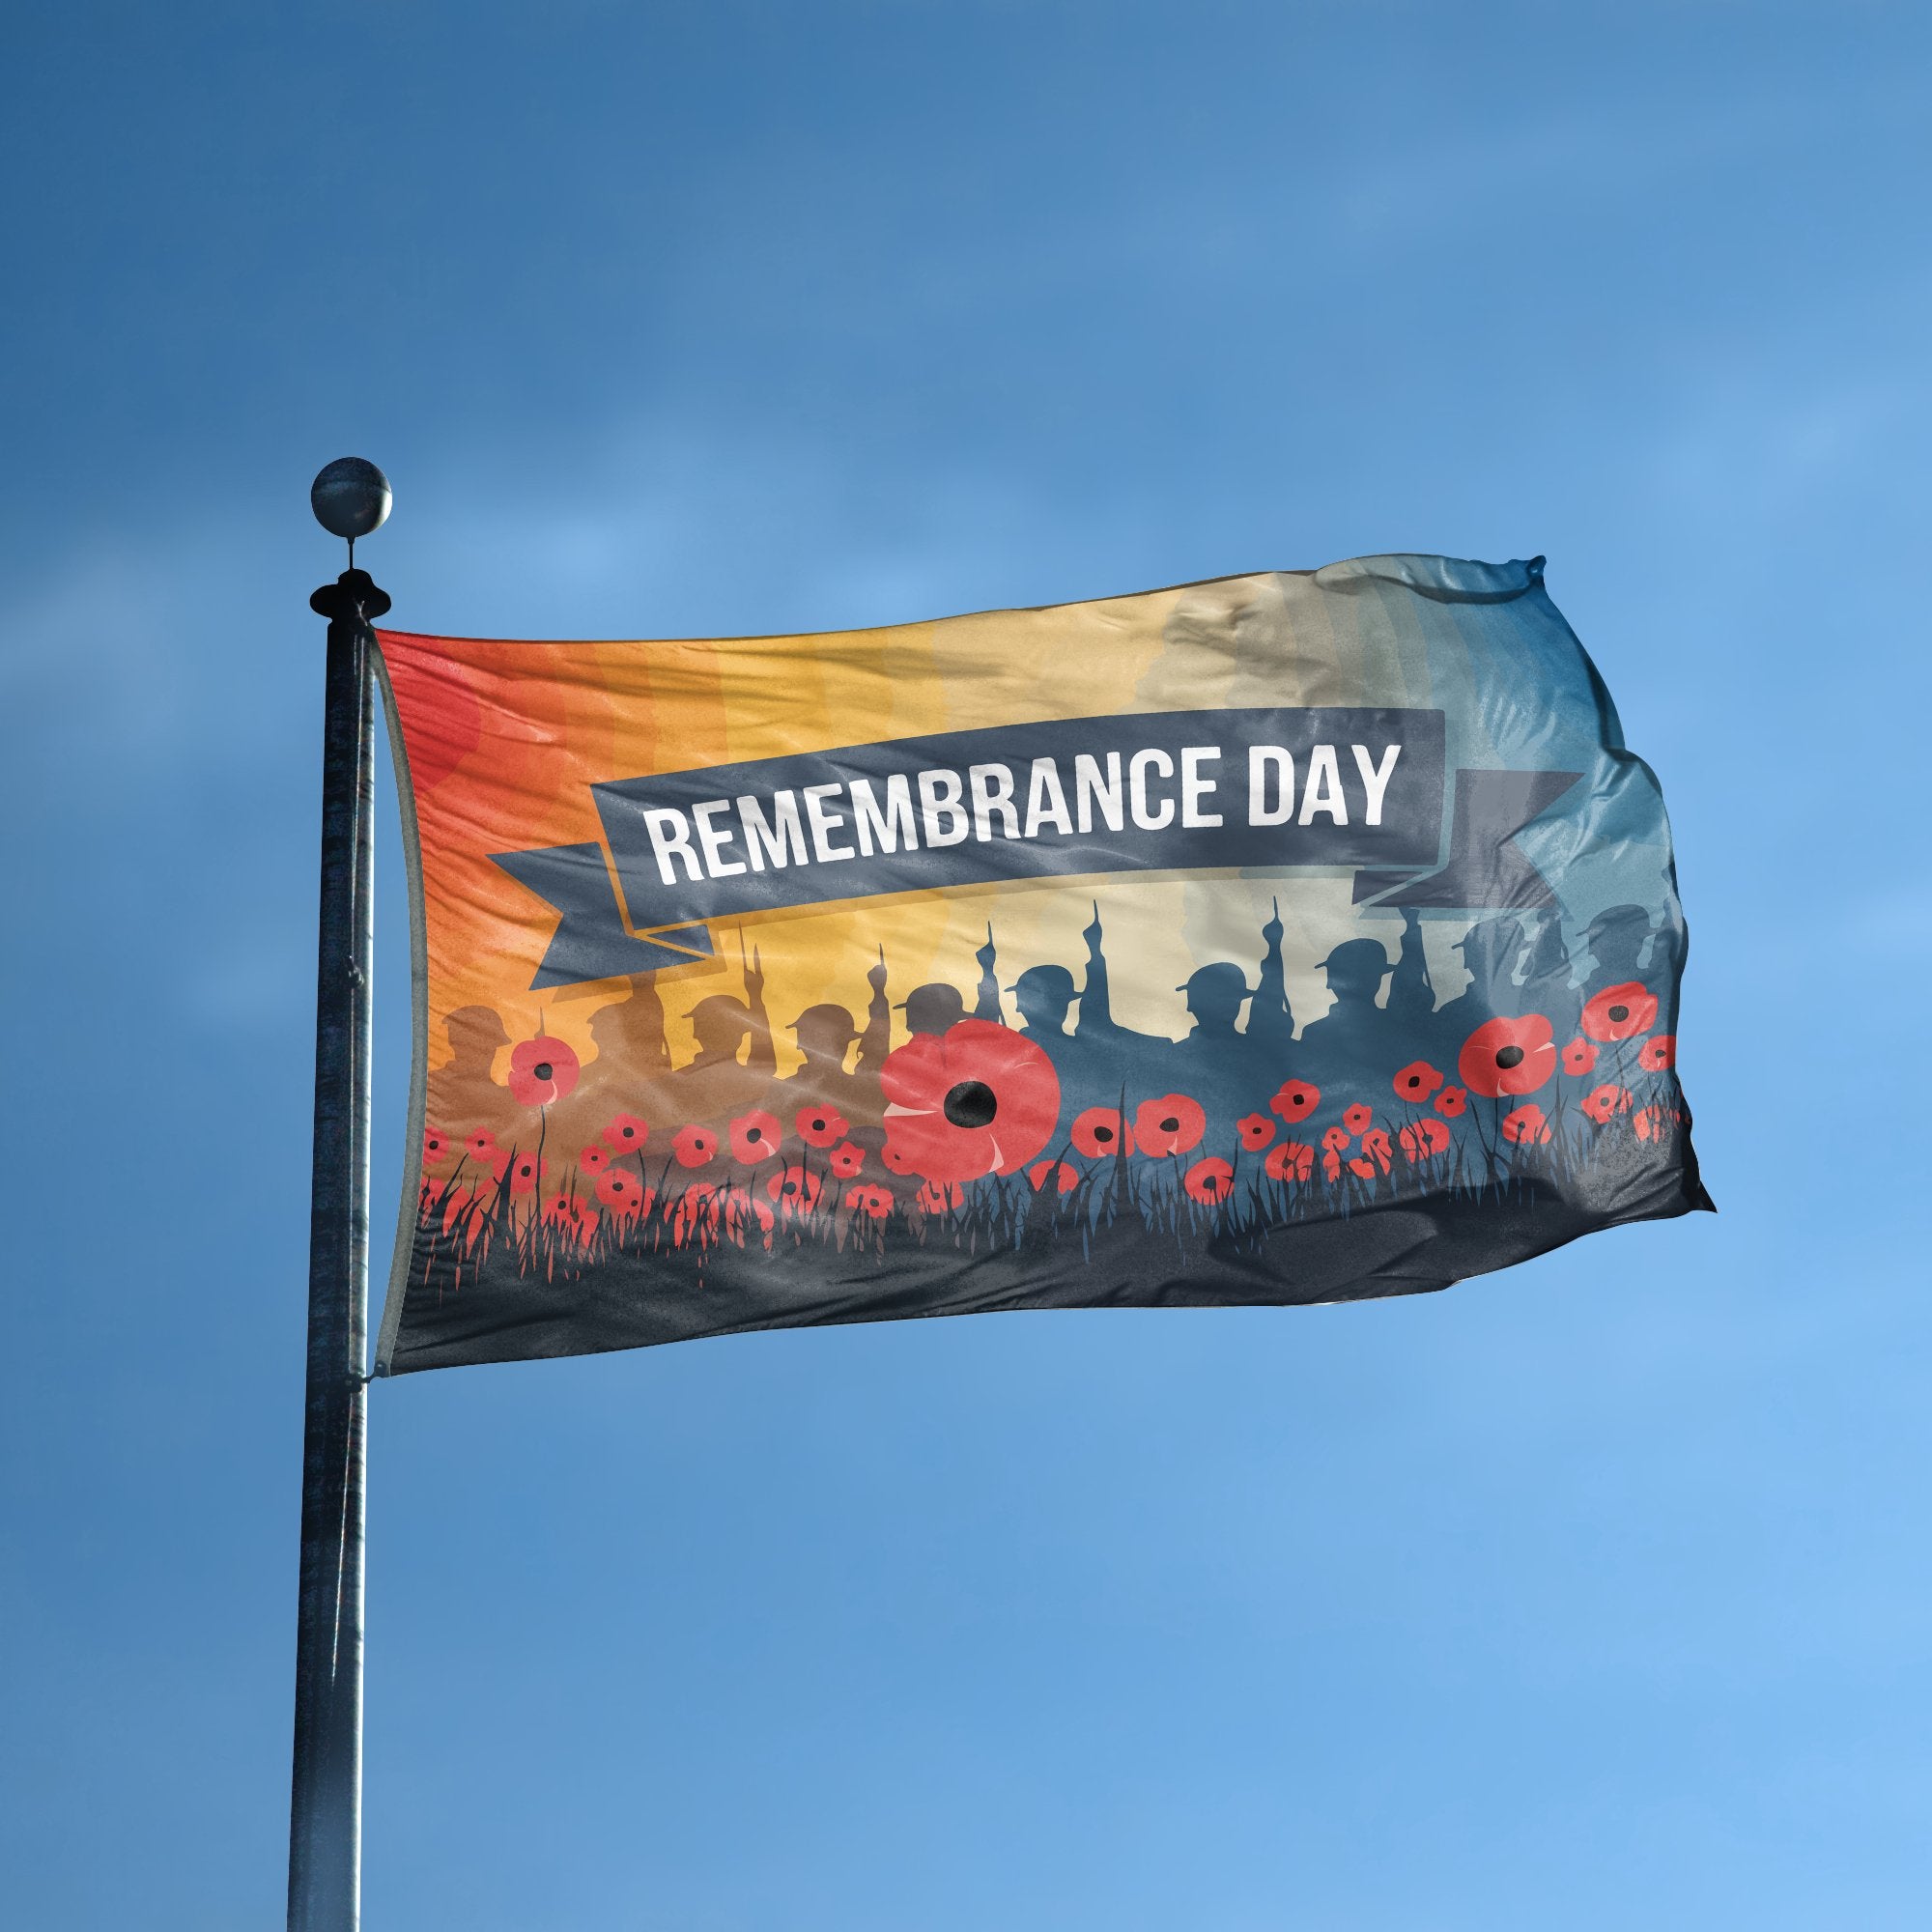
x=349, y=498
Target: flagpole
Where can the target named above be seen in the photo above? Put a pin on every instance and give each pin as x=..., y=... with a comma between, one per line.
x=351, y=498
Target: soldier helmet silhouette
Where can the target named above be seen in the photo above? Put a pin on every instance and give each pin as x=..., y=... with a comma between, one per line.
x=825, y=1031
x=720, y=1022
x=1214, y=993
x=1616, y=938
x=1043, y=994
x=475, y=1030
x=933, y=1009
x=1357, y=966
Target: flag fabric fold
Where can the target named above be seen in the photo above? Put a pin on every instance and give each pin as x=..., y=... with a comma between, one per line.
x=1288, y=938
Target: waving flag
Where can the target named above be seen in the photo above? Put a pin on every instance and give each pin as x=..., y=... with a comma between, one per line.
x=1284, y=938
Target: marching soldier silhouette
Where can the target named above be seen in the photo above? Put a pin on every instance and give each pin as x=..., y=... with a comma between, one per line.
x=462, y=1096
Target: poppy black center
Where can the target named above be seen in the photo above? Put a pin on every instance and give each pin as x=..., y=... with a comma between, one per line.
x=1509, y=1056
x=971, y=1104
x=755, y=1133
x=1620, y=1014
x=1103, y=1135
x=542, y=1070
x=1169, y=1125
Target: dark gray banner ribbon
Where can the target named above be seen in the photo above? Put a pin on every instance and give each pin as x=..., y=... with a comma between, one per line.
x=1142, y=792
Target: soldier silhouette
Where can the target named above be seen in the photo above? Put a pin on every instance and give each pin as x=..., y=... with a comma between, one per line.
x=627, y=1074
x=1352, y=1049
x=937, y=1004
x=1546, y=979
x=716, y=1083
x=1489, y=950
x=462, y=1096
x=825, y=1036
x=1615, y=941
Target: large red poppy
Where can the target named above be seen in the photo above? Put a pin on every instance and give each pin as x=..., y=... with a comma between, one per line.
x=979, y=1098
x=1602, y=1102
x=1256, y=1131
x=1508, y=1056
x=594, y=1159
x=1426, y=1137
x=1296, y=1100
x=1579, y=1057
x=755, y=1137
x=1416, y=1082
x=795, y=1189
x=1358, y=1118
x=626, y=1134
x=694, y=1147
x=1658, y=1054
x=435, y=1146
x=1064, y=1178
x=1210, y=1182
x=1451, y=1101
x=1098, y=1132
x=820, y=1126
x=1292, y=1160
x=1619, y=1012
x=845, y=1160
x=1172, y=1124
x=876, y=1202
x=1525, y=1125
x=623, y=1193
x=542, y=1072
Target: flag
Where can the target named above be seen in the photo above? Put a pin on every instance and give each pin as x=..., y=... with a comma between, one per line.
x=1288, y=938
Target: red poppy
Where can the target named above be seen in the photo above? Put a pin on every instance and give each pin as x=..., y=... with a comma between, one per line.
x=594, y=1159
x=1374, y=1157
x=694, y=1147
x=623, y=1193
x=1619, y=1012
x=1525, y=1125
x=1256, y=1131
x=936, y=1196
x=1508, y=1056
x=1171, y=1125
x=1424, y=1138
x=979, y=1098
x=542, y=1072
x=1358, y=1118
x=1331, y=1165
x=1065, y=1178
x=694, y=1218
x=1416, y=1082
x=1292, y=1160
x=741, y=1208
x=626, y=1134
x=498, y=1161
x=1210, y=1182
x=821, y=1126
x=526, y=1171
x=896, y=1159
x=755, y=1137
x=794, y=1188
x=1606, y=1101
x=1650, y=1123
x=435, y=1146
x=1451, y=1101
x=1579, y=1057
x=1658, y=1054
x=868, y=1200
x=1296, y=1100
x=1098, y=1131
x=560, y=1214
x=845, y=1160
x=480, y=1144
x=1335, y=1139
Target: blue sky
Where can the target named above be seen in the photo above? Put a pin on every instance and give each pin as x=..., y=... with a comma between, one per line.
x=1593, y=1595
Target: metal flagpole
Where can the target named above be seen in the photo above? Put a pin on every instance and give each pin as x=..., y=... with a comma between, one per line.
x=350, y=498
